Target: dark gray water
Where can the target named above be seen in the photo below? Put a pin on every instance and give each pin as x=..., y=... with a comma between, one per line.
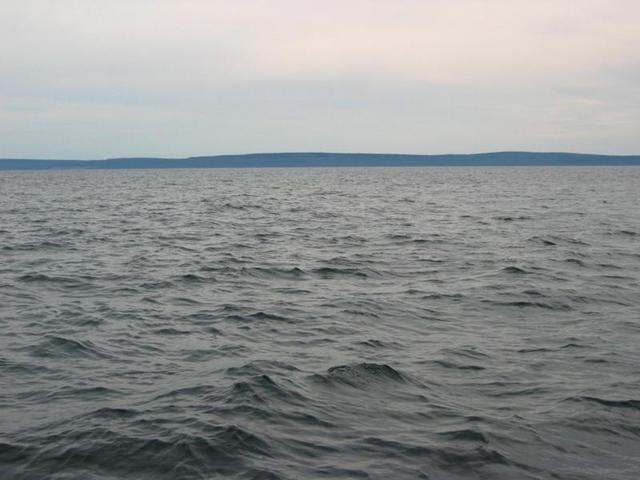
x=434, y=323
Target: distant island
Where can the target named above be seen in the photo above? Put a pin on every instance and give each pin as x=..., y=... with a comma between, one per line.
x=305, y=159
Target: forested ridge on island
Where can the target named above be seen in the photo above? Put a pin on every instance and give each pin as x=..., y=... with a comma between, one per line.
x=266, y=160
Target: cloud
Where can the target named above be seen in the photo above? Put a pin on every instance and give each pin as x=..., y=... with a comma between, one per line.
x=467, y=69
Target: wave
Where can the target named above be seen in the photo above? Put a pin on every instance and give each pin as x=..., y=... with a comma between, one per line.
x=333, y=272
x=510, y=218
x=446, y=364
x=224, y=450
x=56, y=346
x=525, y=304
x=630, y=404
x=515, y=270
x=362, y=375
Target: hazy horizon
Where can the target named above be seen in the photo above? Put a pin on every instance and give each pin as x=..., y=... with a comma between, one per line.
x=92, y=80
x=309, y=152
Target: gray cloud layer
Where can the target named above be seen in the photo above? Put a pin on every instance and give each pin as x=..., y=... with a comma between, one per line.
x=83, y=79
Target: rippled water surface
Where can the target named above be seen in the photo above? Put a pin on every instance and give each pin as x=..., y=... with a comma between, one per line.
x=412, y=323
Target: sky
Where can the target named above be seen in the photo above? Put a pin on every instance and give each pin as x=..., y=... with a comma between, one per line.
x=95, y=79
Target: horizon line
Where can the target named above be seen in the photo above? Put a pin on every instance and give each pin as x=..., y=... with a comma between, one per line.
x=311, y=152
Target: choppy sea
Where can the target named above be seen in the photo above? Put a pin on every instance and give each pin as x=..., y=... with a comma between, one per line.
x=370, y=323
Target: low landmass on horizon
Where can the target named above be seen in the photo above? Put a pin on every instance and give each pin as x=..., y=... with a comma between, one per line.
x=311, y=159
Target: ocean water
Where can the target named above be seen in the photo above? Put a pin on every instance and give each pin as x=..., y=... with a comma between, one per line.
x=416, y=323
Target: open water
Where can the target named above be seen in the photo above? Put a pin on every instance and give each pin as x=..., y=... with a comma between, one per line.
x=417, y=323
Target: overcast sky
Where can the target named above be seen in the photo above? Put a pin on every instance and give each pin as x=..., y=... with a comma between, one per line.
x=103, y=78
